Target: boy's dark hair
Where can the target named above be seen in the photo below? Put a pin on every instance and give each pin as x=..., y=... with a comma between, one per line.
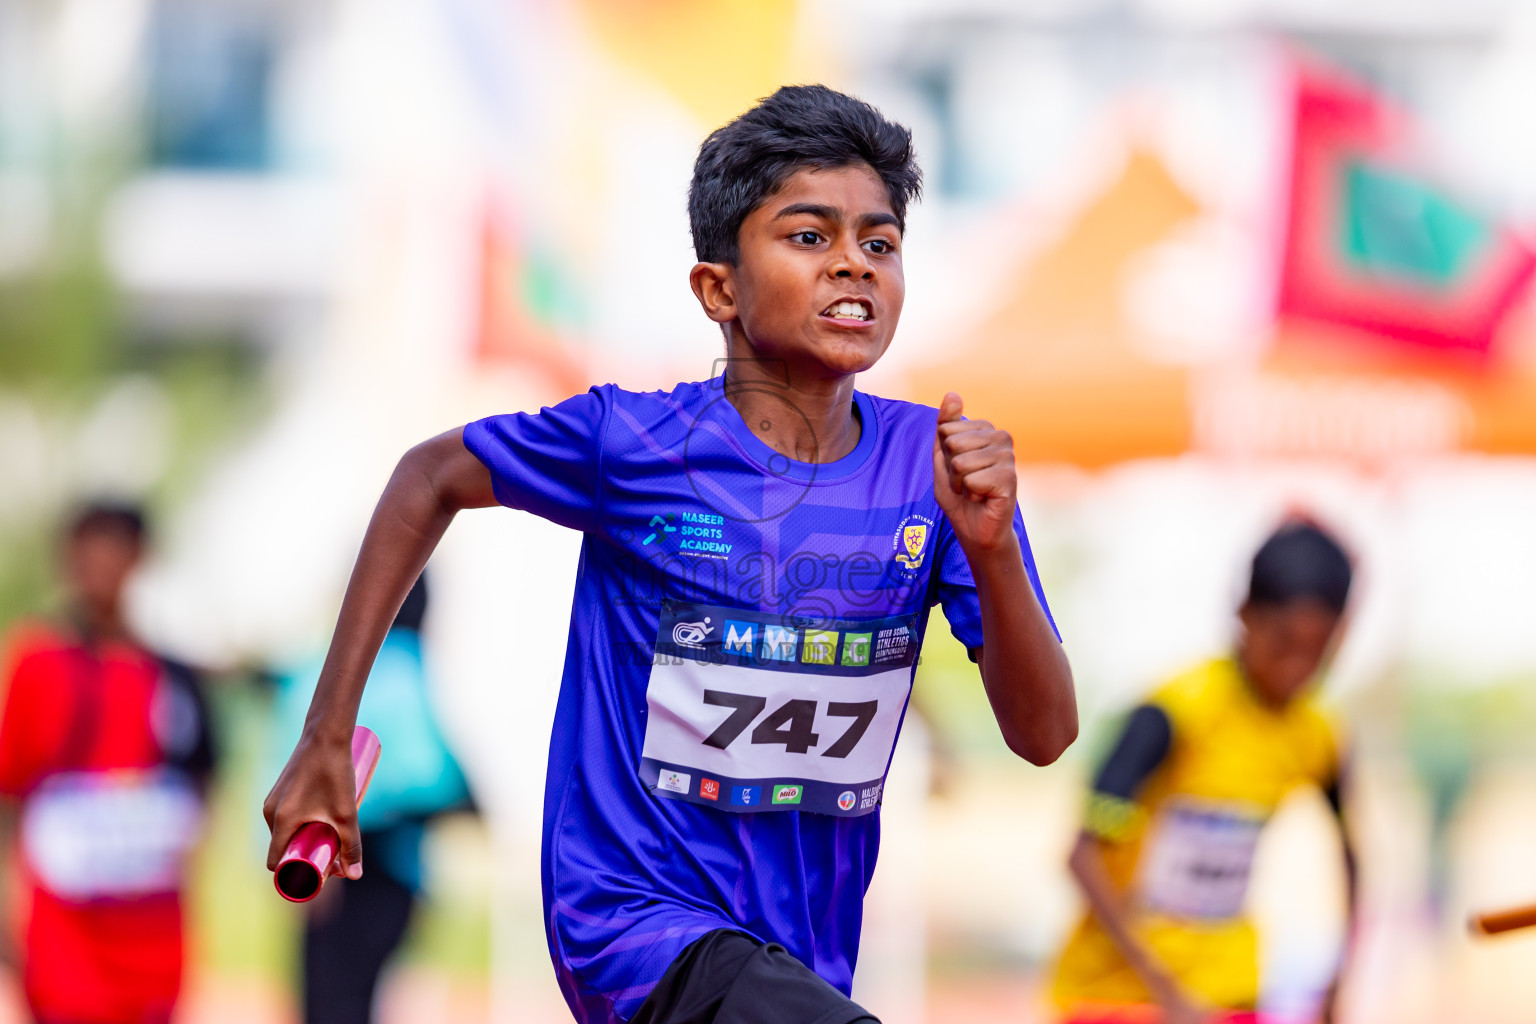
x=1299, y=561
x=121, y=518
x=800, y=126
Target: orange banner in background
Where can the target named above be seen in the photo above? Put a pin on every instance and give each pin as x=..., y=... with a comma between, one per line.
x=1055, y=365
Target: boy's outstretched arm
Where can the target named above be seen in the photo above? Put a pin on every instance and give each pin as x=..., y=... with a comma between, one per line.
x=432, y=482
x=1023, y=666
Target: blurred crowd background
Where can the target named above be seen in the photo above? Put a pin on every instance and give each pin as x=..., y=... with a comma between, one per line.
x=1210, y=261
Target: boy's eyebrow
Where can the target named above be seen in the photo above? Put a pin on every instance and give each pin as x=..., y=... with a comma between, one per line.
x=874, y=220
x=832, y=213
x=809, y=210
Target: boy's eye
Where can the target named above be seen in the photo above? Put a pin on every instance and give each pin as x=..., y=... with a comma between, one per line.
x=807, y=237
x=879, y=246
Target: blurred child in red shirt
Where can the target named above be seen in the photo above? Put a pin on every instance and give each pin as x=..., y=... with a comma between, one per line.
x=105, y=751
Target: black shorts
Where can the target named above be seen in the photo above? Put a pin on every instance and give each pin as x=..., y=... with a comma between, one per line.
x=730, y=978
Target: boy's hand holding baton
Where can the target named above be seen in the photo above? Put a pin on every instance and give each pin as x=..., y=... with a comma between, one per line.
x=314, y=850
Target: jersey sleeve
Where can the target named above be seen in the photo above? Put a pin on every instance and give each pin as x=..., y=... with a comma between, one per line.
x=549, y=462
x=956, y=587
x=190, y=742
x=1142, y=748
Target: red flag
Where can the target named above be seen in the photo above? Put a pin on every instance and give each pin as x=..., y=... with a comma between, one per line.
x=507, y=331
x=1376, y=244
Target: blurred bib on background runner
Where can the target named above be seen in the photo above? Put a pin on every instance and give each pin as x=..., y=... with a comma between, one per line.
x=750, y=712
x=112, y=834
x=1198, y=858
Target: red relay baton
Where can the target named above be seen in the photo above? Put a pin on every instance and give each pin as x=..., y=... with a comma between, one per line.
x=313, y=848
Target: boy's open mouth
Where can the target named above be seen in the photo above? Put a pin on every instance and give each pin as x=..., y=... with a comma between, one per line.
x=848, y=309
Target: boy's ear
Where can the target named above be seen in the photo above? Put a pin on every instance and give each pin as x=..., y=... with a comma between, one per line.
x=714, y=284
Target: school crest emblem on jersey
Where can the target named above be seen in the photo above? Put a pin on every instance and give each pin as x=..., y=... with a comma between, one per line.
x=911, y=539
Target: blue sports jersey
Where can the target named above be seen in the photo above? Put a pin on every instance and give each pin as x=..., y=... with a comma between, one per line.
x=743, y=639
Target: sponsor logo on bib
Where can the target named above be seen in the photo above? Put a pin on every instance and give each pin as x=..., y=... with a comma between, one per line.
x=847, y=800
x=779, y=643
x=787, y=794
x=740, y=637
x=856, y=649
x=709, y=789
x=692, y=634
x=673, y=782
x=820, y=647
x=745, y=796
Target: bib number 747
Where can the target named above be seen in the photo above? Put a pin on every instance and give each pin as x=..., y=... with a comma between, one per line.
x=744, y=712
x=792, y=723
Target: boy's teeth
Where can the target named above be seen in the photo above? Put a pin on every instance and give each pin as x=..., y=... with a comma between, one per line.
x=854, y=310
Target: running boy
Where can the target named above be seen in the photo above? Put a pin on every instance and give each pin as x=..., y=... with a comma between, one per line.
x=761, y=554
x=1176, y=810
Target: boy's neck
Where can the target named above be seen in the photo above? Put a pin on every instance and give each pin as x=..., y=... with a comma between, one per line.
x=95, y=625
x=1258, y=692
x=806, y=417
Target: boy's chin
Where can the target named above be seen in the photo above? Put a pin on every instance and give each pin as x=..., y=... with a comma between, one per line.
x=848, y=356
x=838, y=355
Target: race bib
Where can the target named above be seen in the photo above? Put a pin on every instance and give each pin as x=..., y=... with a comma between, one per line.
x=110, y=835
x=1197, y=860
x=748, y=713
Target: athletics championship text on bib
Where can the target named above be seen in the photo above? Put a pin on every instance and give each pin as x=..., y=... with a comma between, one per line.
x=749, y=712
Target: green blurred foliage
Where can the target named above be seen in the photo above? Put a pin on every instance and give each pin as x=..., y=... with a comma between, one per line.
x=66, y=337
x=948, y=694
x=57, y=329
x=239, y=924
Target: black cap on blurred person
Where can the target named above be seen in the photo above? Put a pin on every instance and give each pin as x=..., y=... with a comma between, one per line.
x=1300, y=561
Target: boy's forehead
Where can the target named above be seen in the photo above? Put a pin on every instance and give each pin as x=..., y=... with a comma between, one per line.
x=1300, y=614
x=103, y=535
x=853, y=189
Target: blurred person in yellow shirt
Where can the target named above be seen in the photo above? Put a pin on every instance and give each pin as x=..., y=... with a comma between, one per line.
x=1175, y=812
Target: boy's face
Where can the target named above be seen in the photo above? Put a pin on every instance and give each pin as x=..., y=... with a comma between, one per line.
x=819, y=280
x=97, y=565
x=1283, y=645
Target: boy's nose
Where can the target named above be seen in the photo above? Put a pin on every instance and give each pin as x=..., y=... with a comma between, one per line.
x=851, y=265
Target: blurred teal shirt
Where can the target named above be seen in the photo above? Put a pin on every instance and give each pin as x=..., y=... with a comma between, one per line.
x=417, y=775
